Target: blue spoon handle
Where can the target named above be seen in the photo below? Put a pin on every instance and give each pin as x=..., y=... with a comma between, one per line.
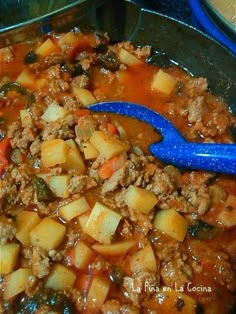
x=205, y=156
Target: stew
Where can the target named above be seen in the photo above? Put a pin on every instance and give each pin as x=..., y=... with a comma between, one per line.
x=90, y=221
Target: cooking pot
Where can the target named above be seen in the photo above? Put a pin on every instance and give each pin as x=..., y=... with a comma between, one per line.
x=171, y=40
x=186, y=46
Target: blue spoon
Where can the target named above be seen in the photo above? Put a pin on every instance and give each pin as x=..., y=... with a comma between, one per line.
x=174, y=149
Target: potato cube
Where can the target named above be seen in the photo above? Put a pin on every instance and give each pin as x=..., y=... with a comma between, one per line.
x=114, y=249
x=73, y=209
x=144, y=260
x=97, y=293
x=26, y=221
x=53, y=152
x=84, y=96
x=8, y=257
x=26, y=119
x=40, y=83
x=59, y=185
x=102, y=223
x=60, y=278
x=74, y=159
x=82, y=221
x=127, y=58
x=48, y=234
x=26, y=79
x=16, y=282
x=54, y=112
x=68, y=39
x=108, y=145
x=163, y=82
x=172, y=223
x=81, y=255
x=90, y=152
x=48, y=47
x=140, y=199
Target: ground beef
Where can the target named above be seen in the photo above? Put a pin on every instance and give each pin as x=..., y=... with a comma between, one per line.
x=174, y=264
x=160, y=183
x=54, y=72
x=7, y=230
x=61, y=128
x=81, y=81
x=69, y=102
x=20, y=137
x=35, y=147
x=141, y=222
x=139, y=285
x=85, y=128
x=80, y=183
x=7, y=54
x=115, y=307
x=196, y=86
x=40, y=263
x=196, y=109
x=86, y=59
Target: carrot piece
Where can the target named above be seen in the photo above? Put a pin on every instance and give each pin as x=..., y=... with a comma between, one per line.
x=3, y=151
x=106, y=170
x=82, y=112
x=112, y=129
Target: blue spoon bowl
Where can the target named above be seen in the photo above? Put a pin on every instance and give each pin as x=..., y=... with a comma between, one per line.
x=173, y=148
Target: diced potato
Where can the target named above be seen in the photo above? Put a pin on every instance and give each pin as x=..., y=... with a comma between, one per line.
x=8, y=257
x=82, y=221
x=97, y=293
x=59, y=185
x=40, y=83
x=68, y=39
x=90, y=152
x=48, y=47
x=102, y=223
x=16, y=282
x=54, y=112
x=53, y=152
x=26, y=221
x=108, y=145
x=172, y=223
x=48, y=234
x=144, y=259
x=81, y=255
x=74, y=159
x=26, y=79
x=168, y=298
x=73, y=209
x=228, y=215
x=84, y=96
x=118, y=248
x=127, y=58
x=140, y=199
x=26, y=119
x=60, y=278
x=163, y=82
